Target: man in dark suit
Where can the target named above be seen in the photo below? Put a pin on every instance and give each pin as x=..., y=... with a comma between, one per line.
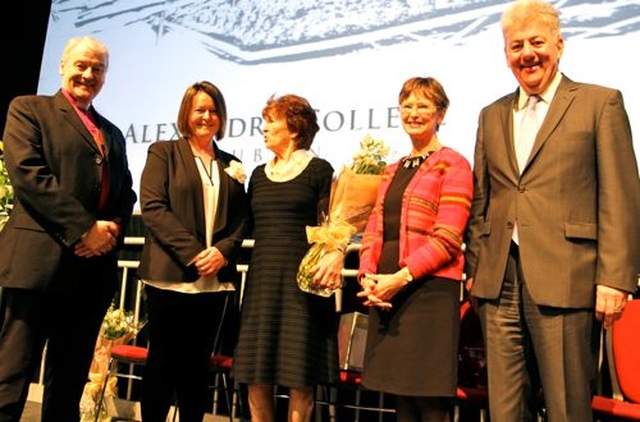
x=58, y=266
x=553, y=234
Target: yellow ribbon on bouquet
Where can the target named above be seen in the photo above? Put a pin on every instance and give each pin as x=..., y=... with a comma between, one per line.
x=328, y=237
x=333, y=235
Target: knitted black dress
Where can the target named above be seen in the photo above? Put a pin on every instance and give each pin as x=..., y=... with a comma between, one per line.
x=287, y=337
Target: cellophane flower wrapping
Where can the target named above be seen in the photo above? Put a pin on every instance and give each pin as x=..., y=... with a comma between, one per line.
x=353, y=195
x=325, y=238
x=118, y=327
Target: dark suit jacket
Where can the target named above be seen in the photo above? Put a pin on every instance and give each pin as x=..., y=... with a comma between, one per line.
x=577, y=202
x=55, y=169
x=173, y=213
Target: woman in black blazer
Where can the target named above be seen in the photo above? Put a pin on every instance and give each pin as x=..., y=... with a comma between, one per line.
x=193, y=207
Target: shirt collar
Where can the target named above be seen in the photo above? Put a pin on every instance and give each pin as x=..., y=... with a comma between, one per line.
x=545, y=96
x=74, y=102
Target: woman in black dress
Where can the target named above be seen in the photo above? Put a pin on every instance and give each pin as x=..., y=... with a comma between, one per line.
x=411, y=264
x=287, y=337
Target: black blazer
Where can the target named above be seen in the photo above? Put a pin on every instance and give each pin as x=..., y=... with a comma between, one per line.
x=55, y=169
x=173, y=213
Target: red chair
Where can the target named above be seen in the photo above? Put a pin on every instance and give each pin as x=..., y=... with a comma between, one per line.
x=624, y=368
x=472, y=394
x=126, y=354
x=220, y=366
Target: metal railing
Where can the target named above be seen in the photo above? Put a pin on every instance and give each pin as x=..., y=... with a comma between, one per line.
x=130, y=293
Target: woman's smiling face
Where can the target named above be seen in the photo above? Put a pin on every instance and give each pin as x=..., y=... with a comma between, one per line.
x=203, y=119
x=420, y=116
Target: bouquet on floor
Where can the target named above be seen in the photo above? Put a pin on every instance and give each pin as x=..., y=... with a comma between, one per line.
x=353, y=195
x=118, y=327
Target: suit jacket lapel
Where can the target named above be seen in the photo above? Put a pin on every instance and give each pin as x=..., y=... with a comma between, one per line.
x=188, y=164
x=223, y=192
x=506, y=119
x=74, y=120
x=106, y=134
x=559, y=105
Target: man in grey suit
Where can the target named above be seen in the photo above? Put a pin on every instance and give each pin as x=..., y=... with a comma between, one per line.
x=553, y=237
x=58, y=266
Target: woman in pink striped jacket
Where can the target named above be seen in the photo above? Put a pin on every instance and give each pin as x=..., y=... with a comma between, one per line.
x=411, y=263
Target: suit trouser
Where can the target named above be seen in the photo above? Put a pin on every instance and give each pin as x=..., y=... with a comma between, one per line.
x=531, y=346
x=68, y=316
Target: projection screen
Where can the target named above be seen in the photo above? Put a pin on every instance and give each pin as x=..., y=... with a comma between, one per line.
x=348, y=58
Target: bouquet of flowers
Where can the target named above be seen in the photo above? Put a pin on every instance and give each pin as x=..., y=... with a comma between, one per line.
x=354, y=192
x=328, y=237
x=118, y=327
x=6, y=191
x=353, y=195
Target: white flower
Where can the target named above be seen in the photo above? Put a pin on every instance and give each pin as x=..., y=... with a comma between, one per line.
x=236, y=171
x=369, y=159
x=6, y=191
x=117, y=323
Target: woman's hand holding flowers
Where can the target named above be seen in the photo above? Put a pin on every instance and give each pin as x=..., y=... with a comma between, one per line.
x=327, y=273
x=327, y=239
x=353, y=195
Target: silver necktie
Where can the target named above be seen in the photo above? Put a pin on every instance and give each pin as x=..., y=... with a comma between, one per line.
x=528, y=129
